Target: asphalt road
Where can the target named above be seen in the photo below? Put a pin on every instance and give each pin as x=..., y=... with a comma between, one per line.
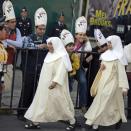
x=11, y=123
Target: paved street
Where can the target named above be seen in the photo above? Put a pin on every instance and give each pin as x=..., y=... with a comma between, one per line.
x=10, y=123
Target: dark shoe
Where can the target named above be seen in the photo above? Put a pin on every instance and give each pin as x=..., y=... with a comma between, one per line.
x=95, y=129
x=118, y=124
x=71, y=127
x=78, y=124
x=84, y=109
x=21, y=118
x=88, y=126
x=32, y=126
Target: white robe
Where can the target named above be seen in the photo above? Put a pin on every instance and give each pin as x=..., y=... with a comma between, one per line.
x=55, y=104
x=108, y=105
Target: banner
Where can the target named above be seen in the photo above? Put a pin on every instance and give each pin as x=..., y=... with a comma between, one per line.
x=101, y=12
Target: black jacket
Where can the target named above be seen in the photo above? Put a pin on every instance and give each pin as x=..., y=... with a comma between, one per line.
x=25, y=26
x=57, y=29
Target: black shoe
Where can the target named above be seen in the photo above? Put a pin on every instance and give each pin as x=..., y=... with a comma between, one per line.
x=88, y=126
x=21, y=118
x=78, y=124
x=95, y=129
x=83, y=109
x=118, y=124
x=71, y=127
x=32, y=126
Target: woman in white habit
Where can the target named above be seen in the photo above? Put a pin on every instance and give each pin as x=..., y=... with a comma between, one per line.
x=108, y=88
x=52, y=101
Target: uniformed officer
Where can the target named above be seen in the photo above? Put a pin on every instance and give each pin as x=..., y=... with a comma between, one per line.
x=24, y=23
x=59, y=26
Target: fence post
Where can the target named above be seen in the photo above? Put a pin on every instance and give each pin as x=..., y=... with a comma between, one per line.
x=129, y=101
x=0, y=98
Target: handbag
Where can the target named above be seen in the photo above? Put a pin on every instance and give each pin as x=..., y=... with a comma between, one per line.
x=94, y=87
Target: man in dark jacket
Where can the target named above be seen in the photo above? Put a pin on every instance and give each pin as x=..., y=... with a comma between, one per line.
x=128, y=37
x=24, y=23
x=59, y=26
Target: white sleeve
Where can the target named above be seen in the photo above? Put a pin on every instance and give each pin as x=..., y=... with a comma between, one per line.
x=5, y=43
x=127, y=52
x=18, y=42
x=122, y=77
x=88, y=46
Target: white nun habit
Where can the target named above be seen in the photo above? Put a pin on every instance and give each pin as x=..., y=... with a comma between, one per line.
x=51, y=105
x=108, y=105
x=116, y=52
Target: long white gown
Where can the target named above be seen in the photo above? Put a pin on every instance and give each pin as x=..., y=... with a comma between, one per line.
x=55, y=104
x=108, y=105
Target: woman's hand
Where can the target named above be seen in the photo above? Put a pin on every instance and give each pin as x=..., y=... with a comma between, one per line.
x=41, y=46
x=124, y=92
x=85, y=39
x=53, y=85
x=89, y=58
x=2, y=87
x=102, y=67
x=110, y=46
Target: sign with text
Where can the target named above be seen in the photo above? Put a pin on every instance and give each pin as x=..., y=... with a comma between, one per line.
x=101, y=12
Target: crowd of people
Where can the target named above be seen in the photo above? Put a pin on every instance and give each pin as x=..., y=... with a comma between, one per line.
x=62, y=59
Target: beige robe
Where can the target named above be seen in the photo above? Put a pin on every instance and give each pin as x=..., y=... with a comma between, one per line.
x=108, y=105
x=52, y=105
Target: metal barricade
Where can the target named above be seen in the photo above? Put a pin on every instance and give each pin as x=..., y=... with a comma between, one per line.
x=16, y=81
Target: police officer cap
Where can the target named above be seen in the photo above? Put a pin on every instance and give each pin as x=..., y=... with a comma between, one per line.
x=62, y=13
x=2, y=20
x=24, y=9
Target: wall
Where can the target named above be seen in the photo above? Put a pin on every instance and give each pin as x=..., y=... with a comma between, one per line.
x=53, y=9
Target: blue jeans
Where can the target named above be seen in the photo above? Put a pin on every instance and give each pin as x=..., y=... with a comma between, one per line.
x=71, y=81
x=82, y=87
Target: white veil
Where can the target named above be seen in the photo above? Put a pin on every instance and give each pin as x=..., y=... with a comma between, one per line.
x=59, y=52
x=116, y=52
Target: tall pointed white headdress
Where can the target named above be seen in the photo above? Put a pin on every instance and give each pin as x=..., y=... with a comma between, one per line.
x=40, y=17
x=99, y=37
x=8, y=10
x=66, y=37
x=81, y=25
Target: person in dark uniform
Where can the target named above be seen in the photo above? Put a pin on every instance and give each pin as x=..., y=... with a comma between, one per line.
x=32, y=61
x=24, y=23
x=25, y=26
x=59, y=26
x=1, y=11
x=128, y=37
